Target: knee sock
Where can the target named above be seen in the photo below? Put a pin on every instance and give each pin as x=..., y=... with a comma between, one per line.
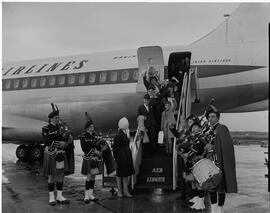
x=200, y=193
x=87, y=185
x=51, y=187
x=221, y=199
x=213, y=197
x=91, y=184
x=194, y=192
x=59, y=186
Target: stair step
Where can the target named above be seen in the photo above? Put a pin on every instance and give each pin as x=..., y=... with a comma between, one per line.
x=153, y=186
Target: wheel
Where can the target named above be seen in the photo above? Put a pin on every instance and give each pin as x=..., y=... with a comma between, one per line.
x=36, y=152
x=22, y=152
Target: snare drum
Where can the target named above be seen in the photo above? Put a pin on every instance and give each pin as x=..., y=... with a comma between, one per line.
x=207, y=174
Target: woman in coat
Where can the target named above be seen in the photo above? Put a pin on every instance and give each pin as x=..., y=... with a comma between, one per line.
x=123, y=157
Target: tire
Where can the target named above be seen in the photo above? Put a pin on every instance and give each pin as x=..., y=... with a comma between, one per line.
x=22, y=152
x=36, y=153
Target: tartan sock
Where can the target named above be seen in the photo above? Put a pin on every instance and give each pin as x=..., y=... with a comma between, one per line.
x=221, y=199
x=195, y=192
x=87, y=185
x=213, y=197
x=59, y=186
x=200, y=193
x=51, y=187
x=92, y=184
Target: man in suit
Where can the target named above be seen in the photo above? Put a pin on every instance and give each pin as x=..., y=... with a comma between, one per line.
x=150, y=124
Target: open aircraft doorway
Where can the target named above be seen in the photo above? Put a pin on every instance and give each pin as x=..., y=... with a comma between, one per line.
x=179, y=61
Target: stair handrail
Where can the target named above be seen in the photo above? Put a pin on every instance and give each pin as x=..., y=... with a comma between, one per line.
x=182, y=99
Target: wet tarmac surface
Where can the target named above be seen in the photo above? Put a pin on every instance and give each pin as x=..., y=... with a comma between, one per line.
x=23, y=190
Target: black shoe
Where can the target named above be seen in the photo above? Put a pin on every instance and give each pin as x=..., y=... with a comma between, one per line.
x=94, y=200
x=53, y=203
x=63, y=201
x=86, y=201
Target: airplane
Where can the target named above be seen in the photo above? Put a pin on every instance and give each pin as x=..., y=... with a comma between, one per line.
x=230, y=65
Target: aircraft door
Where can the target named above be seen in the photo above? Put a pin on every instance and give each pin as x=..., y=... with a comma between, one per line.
x=150, y=60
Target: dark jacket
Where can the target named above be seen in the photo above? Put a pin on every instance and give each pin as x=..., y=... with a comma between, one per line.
x=150, y=118
x=51, y=133
x=122, y=155
x=226, y=158
x=89, y=142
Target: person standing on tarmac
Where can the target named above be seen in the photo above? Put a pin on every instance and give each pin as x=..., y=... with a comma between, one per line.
x=92, y=162
x=225, y=159
x=123, y=157
x=55, y=162
x=183, y=146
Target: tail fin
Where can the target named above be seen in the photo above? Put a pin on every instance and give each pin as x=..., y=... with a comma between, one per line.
x=248, y=23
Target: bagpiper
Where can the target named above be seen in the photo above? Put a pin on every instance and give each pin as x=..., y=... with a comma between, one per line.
x=55, y=162
x=92, y=145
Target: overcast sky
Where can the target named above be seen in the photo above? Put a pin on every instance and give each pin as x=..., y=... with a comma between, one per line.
x=37, y=30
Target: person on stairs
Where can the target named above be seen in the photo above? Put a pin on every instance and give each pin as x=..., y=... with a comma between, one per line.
x=92, y=162
x=123, y=157
x=167, y=119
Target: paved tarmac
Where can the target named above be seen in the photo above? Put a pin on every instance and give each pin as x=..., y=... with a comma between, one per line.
x=23, y=191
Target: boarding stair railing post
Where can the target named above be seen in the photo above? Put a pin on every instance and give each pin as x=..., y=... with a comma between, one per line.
x=181, y=111
x=136, y=157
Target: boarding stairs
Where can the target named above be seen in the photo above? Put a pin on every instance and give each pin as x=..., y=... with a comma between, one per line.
x=161, y=171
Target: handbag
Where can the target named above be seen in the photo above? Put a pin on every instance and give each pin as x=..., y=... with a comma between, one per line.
x=160, y=137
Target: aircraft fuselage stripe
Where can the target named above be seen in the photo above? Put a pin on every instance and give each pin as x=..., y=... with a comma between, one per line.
x=107, y=77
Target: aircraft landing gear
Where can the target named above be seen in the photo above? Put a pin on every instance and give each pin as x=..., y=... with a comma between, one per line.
x=36, y=152
x=27, y=152
x=22, y=152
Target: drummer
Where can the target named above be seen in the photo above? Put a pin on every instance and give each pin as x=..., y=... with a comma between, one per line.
x=195, y=154
x=183, y=147
x=225, y=158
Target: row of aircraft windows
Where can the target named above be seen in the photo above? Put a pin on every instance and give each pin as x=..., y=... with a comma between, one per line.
x=69, y=80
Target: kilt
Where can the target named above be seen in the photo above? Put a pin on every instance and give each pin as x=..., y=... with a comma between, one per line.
x=49, y=163
x=91, y=163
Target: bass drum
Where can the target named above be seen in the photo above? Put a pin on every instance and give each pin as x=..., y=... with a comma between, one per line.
x=207, y=174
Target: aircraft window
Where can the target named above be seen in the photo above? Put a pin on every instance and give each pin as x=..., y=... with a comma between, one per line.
x=42, y=82
x=125, y=75
x=113, y=76
x=25, y=83
x=102, y=77
x=135, y=75
x=71, y=79
x=16, y=83
x=81, y=78
x=61, y=80
x=92, y=78
x=52, y=80
x=7, y=84
x=33, y=82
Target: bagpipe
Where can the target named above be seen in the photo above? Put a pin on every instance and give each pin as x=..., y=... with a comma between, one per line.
x=102, y=145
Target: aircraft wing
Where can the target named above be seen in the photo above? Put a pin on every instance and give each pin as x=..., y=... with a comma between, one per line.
x=18, y=128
